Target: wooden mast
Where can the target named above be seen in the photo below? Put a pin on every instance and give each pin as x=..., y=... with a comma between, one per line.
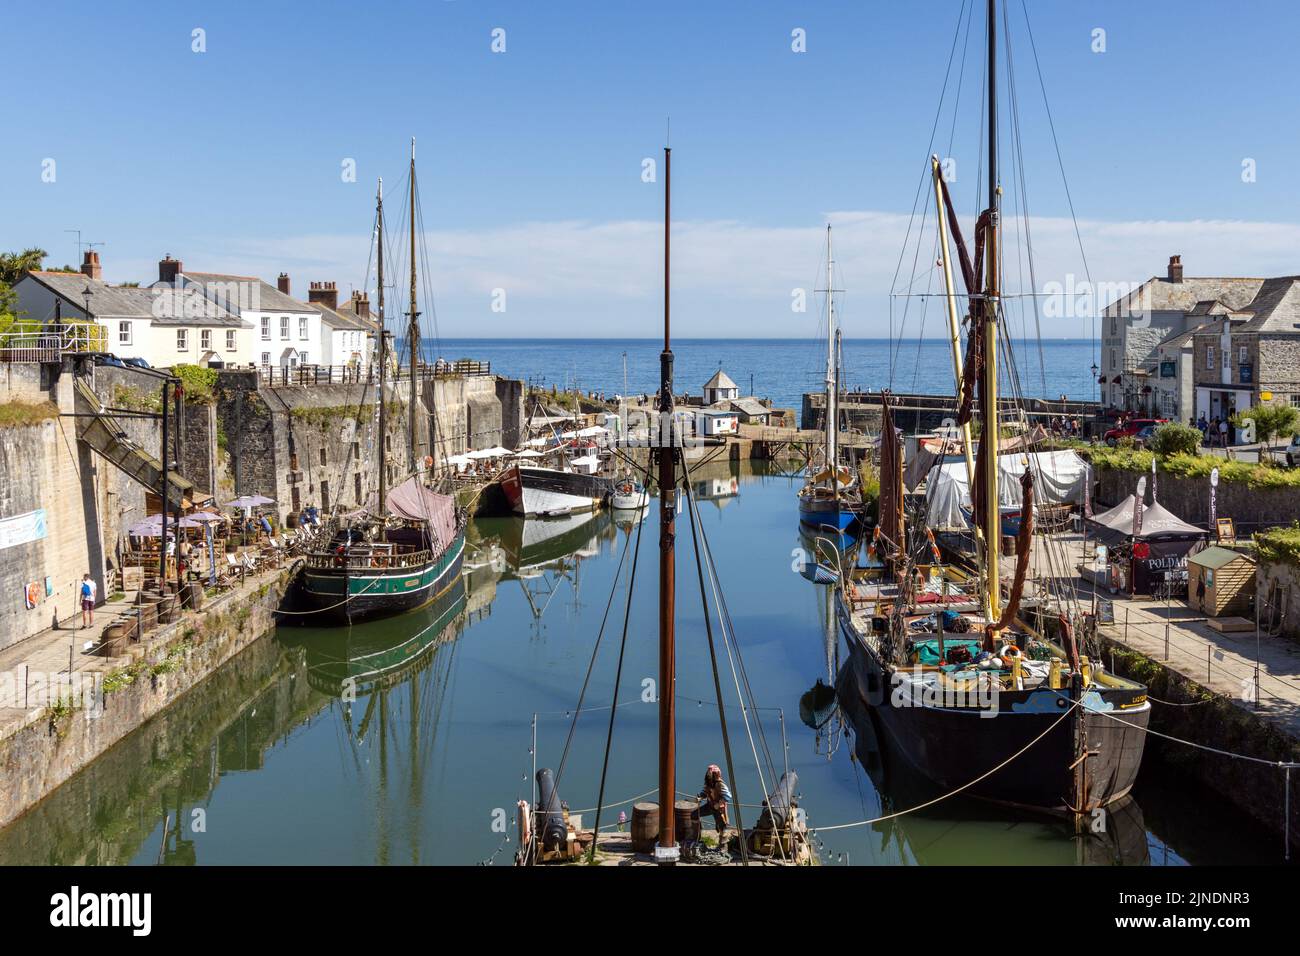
x=832, y=385
x=413, y=332
x=666, y=851
x=383, y=354
x=989, y=389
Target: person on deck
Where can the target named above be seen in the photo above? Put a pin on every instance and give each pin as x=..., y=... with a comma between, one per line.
x=714, y=798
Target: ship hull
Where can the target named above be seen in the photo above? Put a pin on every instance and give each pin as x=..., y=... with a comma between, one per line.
x=827, y=513
x=544, y=491
x=347, y=596
x=955, y=745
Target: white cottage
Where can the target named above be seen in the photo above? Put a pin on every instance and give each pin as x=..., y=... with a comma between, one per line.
x=287, y=333
x=162, y=326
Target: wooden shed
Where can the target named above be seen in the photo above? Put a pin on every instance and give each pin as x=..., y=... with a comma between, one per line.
x=1220, y=581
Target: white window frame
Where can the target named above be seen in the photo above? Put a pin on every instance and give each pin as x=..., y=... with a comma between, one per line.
x=124, y=333
x=230, y=340
x=266, y=328
x=1243, y=354
x=302, y=357
x=284, y=328
x=1209, y=358
x=182, y=340
x=302, y=328
x=266, y=359
x=205, y=340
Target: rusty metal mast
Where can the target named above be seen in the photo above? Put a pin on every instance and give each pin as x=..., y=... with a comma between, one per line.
x=666, y=851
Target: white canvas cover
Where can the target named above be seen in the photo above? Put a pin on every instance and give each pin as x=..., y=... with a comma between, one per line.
x=414, y=502
x=1059, y=477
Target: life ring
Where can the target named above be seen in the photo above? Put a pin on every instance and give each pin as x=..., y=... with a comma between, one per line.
x=379, y=561
x=339, y=558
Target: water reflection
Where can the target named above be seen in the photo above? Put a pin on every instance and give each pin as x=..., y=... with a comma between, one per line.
x=398, y=740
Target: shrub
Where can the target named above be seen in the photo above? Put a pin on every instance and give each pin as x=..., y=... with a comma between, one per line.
x=198, y=382
x=1279, y=545
x=1174, y=439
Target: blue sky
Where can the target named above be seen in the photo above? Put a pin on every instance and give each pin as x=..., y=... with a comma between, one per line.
x=530, y=159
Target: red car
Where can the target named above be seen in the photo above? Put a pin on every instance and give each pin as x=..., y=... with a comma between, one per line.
x=1130, y=429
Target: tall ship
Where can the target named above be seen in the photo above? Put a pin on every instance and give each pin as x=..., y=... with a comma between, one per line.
x=407, y=550
x=974, y=685
x=829, y=499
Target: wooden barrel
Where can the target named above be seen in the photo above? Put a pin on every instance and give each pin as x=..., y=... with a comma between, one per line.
x=292, y=520
x=1008, y=545
x=686, y=819
x=645, y=827
x=196, y=595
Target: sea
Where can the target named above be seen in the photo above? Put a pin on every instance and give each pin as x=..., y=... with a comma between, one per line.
x=779, y=369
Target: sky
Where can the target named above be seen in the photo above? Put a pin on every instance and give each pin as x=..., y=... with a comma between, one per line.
x=227, y=148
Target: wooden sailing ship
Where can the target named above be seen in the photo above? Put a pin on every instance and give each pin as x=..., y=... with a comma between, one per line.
x=408, y=551
x=962, y=687
x=829, y=499
x=666, y=832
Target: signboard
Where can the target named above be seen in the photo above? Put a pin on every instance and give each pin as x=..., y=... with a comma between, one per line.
x=1105, y=611
x=1168, y=370
x=1225, y=529
x=21, y=529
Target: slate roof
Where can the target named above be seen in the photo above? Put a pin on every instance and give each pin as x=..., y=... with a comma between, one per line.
x=161, y=306
x=1215, y=557
x=261, y=297
x=720, y=380
x=1158, y=294
x=750, y=406
x=1275, y=308
x=340, y=319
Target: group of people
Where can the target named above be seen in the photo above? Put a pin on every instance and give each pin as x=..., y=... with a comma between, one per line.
x=1214, y=432
x=1063, y=427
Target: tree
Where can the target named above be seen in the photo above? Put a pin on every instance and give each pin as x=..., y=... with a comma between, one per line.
x=1174, y=439
x=1272, y=421
x=14, y=264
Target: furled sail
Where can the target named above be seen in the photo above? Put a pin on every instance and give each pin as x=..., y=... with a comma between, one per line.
x=414, y=502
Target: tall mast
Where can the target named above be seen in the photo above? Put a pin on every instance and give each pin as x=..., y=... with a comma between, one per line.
x=832, y=410
x=666, y=851
x=989, y=391
x=413, y=330
x=381, y=441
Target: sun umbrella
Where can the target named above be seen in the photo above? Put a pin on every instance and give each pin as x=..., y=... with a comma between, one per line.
x=201, y=518
x=249, y=501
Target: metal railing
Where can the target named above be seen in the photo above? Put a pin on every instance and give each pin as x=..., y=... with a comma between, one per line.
x=24, y=343
x=289, y=375
x=375, y=558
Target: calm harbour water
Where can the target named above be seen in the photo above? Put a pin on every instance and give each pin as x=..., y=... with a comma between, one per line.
x=781, y=369
x=428, y=761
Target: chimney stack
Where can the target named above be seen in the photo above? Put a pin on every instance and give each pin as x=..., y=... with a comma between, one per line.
x=90, y=265
x=282, y=283
x=361, y=304
x=1175, y=268
x=169, y=269
x=324, y=293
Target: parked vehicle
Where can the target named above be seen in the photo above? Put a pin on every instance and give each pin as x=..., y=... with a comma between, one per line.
x=1293, y=452
x=1143, y=435
x=1130, y=429
x=137, y=363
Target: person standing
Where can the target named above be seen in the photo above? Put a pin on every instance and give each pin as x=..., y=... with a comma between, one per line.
x=1223, y=433
x=87, y=601
x=714, y=799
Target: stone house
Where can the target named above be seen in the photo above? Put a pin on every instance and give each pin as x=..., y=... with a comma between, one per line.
x=1250, y=356
x=1146, y=327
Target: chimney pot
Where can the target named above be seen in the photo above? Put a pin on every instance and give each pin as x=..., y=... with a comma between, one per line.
x=323, y=293
x=169, y=269
x=283, y=283
x=90, y=265
x=1175, y=268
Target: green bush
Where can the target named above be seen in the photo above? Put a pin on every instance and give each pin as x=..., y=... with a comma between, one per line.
x=198, y=382
x=1279, y=545
x=1174, y=439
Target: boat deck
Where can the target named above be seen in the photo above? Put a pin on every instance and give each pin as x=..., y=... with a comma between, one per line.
x=615, y=849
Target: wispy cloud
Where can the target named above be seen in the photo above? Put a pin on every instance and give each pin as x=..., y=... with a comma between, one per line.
x=578, y=278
